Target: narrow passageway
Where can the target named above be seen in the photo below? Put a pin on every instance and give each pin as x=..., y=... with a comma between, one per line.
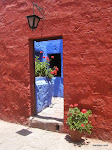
x=55, y=111
x=49, y=86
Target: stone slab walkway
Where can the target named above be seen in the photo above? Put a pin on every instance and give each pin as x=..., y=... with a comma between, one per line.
x=19, y=137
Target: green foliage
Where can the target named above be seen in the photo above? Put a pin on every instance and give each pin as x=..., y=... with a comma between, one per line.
x=76, y=118
x=42, y=68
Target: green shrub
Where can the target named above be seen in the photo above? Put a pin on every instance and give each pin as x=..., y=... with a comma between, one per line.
x=42, y=69
x=79, y=120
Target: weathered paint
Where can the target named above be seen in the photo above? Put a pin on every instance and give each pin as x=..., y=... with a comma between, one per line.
x=87, y=57
x=43, y=92
x=52, y=47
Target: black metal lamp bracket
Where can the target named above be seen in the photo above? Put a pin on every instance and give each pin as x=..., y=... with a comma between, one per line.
x=39, y=8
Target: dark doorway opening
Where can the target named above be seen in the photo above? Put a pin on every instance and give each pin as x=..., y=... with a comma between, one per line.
x=56, y=61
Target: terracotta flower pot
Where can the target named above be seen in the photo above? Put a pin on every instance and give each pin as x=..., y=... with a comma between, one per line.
x=75, y=135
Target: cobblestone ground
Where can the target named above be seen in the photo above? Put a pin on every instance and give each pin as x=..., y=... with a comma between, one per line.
x=18, y=137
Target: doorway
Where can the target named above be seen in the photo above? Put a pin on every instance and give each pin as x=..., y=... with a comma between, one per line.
x=51, y=49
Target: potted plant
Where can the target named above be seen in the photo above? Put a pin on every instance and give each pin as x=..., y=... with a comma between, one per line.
x=78, y=122
x=43, y=82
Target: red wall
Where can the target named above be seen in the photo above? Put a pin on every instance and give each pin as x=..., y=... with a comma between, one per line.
x=87, y=53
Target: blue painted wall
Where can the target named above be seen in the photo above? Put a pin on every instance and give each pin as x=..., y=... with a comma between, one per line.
x=43, y=93
x=52, y=47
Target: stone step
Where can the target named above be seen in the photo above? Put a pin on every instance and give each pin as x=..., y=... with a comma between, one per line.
x=51, y=118
x=46, y=123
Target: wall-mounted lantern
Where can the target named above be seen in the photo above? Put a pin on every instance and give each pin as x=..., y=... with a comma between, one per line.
x=33, y=20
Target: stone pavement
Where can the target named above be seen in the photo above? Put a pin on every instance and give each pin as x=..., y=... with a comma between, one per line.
x=19, y=137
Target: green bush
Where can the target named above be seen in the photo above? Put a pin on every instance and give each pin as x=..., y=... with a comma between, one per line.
x=79, y=120
x=42, y=69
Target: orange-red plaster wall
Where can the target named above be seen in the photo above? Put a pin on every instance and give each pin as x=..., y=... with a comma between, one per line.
x=86, y=28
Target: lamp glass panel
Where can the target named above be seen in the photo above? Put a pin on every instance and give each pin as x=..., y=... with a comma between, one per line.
x=31, y=21
x=36, y=21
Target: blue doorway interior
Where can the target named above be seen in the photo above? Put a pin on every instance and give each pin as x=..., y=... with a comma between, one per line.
x=52, y=48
